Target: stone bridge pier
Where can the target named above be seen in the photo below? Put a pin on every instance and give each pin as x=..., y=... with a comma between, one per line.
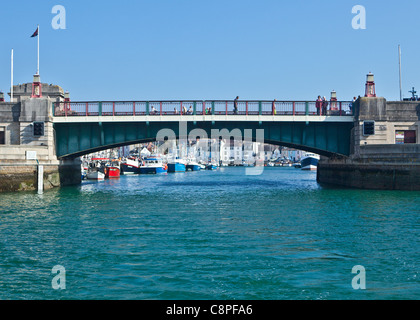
x=385, y=149
x=27, y=143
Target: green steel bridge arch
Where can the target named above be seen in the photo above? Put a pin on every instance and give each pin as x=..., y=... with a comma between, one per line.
x=85, y=127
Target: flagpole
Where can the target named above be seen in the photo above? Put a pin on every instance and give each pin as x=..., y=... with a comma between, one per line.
x=399, y=60
x=37, y=68
x=11, y=79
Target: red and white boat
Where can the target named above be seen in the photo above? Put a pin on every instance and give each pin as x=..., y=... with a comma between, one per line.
x=131, y=166
x=112, y=169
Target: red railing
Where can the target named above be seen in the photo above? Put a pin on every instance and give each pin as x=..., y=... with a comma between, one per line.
x=189, y=107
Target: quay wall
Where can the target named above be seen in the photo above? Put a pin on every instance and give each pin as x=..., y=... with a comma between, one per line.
x=24, y=176
x=382, y=167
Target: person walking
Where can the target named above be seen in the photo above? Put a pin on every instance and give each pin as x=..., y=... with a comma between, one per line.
x=235, y=105
x=274, y=107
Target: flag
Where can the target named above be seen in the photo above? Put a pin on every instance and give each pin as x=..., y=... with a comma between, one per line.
x=35, y=33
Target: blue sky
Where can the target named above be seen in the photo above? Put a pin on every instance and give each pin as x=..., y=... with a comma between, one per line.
x=194, y=49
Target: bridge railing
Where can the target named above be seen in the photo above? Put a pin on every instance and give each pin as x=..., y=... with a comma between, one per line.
x=191, y=107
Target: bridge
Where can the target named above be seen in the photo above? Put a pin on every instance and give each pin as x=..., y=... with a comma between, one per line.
x=371, y=143
x=85, y=127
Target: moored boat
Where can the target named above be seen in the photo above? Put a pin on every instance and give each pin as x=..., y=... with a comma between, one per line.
x=310, y=161
x=112, y=170
x=96, y=169
x=95, y=175
x=192, y=166
x=153, y=165
x=211, y=166
x=177, y=166
x=130, y=166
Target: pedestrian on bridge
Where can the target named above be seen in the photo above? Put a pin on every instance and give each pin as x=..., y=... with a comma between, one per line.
x=318, y=105
x=324, y=105
x=235, y=105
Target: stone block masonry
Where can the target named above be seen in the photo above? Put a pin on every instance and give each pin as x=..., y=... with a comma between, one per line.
x=379, y=161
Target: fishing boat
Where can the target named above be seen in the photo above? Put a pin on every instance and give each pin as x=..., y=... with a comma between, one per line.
x=310, y=161
x=177, y=165
x=202, y=165
x=192, y=165
x=112, y=170
x=95, y=175
x=153, y=165
x=211, y=166
x=96, y=169
x=131, y=165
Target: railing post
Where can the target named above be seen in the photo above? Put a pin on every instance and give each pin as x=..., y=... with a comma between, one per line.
x=204, y=108
x=307, y=108
x=87, y=109
x=100, y=109
x=194, y=108
x=260, y=108
x=161, y=108
x=340, y=108
x=113, y=109
x=147, y=108
x=181, y=109
x=212, y=107
x=134, y=108
x=226, y=108
x=294, y=107
x=246, y=108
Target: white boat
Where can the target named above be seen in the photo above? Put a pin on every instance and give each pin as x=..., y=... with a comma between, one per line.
x=310, y=161
x=95, y=175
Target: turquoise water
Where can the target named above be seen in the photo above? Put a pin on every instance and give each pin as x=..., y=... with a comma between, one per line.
x=210, y=235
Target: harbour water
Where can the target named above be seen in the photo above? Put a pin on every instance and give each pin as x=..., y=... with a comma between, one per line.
x=210, y=235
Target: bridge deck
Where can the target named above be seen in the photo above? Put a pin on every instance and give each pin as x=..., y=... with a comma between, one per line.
x=205, y=118
x=126, y=111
